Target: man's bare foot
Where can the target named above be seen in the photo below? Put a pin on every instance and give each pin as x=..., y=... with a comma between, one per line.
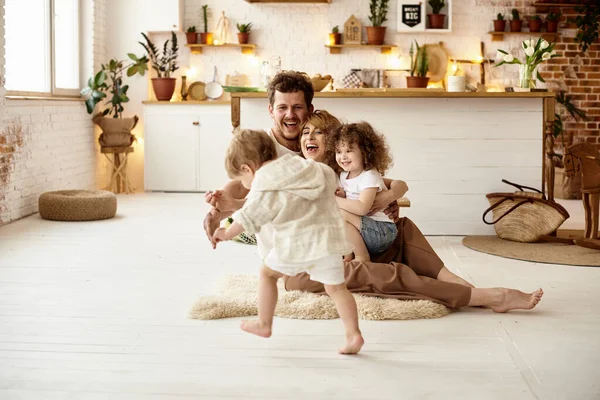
x=353, y=344
x=511, y=299
x=256, y=327
x=446, y=276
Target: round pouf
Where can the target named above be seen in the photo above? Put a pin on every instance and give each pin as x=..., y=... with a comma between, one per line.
x=77, y=205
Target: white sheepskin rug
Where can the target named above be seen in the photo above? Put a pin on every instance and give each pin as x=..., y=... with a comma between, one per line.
x=238, y=299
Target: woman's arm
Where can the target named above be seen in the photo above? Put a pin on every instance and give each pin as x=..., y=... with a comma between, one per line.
x=360, y=206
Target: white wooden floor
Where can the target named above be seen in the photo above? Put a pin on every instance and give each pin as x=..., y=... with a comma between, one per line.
x=99, y=311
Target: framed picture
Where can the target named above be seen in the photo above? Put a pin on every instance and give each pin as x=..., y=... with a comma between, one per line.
x=411, y=16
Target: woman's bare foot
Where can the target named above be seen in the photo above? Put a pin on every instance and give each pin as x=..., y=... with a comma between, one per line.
x=511, y=299
x=256, y=327
x=446, y=276
x=353, y=344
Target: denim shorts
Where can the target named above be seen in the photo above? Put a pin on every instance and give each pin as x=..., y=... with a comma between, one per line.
x=378, y=235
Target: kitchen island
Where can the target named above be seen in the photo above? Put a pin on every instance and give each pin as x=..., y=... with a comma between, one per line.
x=450, y=148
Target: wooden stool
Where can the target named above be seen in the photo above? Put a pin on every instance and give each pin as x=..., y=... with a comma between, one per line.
x=118, y=177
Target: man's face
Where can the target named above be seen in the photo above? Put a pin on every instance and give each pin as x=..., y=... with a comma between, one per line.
x=289, y=112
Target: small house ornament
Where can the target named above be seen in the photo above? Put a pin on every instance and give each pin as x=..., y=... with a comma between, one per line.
x=352, y=31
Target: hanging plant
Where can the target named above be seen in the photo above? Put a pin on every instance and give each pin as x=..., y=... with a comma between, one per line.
x=588, y=25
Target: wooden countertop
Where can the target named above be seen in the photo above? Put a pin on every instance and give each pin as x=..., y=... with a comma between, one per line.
x=402, y=93
x=188, y=102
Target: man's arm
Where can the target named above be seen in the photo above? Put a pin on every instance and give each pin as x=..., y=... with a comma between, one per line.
x=233, y=190
x=386, y=199
x=360, y=206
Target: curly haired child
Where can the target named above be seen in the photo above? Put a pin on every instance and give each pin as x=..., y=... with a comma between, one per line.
x=362, y=157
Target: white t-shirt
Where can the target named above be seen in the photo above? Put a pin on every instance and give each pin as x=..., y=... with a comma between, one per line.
x=367, y=179
x=281, y=149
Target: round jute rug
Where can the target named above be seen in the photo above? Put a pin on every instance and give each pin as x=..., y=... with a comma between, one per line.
x=551, y=253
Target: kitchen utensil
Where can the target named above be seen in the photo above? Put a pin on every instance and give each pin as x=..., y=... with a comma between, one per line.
x=196, y=91
x=242, y=89
x=213, y=89
x=438, y=62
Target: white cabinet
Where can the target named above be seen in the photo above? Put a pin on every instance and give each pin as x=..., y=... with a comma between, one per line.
x=185, y=147
x=164, y=15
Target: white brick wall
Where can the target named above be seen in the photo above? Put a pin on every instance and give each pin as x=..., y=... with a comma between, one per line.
x=57, y=151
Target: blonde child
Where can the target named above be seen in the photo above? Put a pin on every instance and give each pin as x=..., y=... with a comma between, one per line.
x=292, y=208
x=363, y=157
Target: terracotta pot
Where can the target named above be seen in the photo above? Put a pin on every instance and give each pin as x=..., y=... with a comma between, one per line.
x=499, y=25
x=243, y=37
x=191, y=37
x=417, y=81
x=535, y=25
x=375, y=34
x=436, y=21
x=551, y=26
x=335, y=38
x=516, y=25
x=163, y=88
x=206, y=38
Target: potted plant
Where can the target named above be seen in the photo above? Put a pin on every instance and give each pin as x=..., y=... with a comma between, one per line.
x=206, y=37
x=379, y=10
x=515, y=23
x=116, y=130
x=244, y=32
x=191, y=36
x=552, y=21
x=335, y=37
x=588, y=25
x=419, y=65
x=535, y=23
x=164, y=64
x=499, y=23
x=436, y=20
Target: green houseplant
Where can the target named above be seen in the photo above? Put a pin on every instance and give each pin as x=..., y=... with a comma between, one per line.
x=335, y=37
x=436, y=20
x=164, y=64
x=535, y=23
x=588, y=25
x=191, y=36
x=515, y=23
x=419, y=65
x=116, y=130
x=378, y=15
x=244, y=32
x=206, y=37
x=499, y=23
x=552, y=21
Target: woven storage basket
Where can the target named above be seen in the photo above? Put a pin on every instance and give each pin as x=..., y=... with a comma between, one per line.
x=524, y=216
x=77, y=205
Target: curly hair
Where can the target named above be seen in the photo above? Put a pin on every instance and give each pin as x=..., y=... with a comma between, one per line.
x=290, y=82
x=248, y=147
x=372, y=145
x=327, y=123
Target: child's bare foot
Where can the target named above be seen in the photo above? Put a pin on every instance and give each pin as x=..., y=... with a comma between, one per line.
x=511, y=299
x=256, y=327
x=353, y=344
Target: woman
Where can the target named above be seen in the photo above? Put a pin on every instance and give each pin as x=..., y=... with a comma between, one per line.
x=410, y=268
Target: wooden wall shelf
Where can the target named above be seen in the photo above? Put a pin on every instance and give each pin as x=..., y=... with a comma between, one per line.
x=246, y=48
x=499, y=36
x=289, y=1
x=545, y=7
x=337, y=48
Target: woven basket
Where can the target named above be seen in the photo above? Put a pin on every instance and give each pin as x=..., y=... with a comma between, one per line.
x=524, y=216
x=77, y=205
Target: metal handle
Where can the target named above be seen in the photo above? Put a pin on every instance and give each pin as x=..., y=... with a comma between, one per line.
x=195, y=123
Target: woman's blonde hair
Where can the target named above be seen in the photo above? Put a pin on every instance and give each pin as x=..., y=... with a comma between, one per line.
x=372, y=145
x=250, y=147
x=327, y=123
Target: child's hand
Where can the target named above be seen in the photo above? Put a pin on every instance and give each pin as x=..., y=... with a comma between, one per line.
x=219, y=236
x=339, y=192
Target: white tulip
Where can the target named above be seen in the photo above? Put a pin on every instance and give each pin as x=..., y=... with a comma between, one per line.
x=553, y=53
x=508, y=58
x=546, y=56
x=544, y=45
x=531, y=43
x=529, y=51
